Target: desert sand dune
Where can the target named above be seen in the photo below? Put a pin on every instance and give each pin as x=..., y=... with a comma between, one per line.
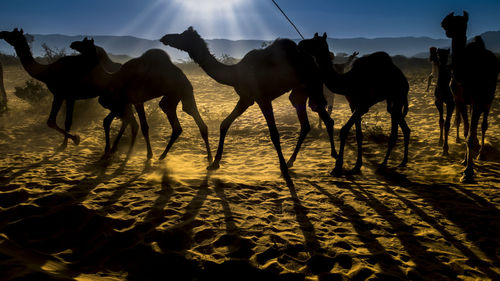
x=70, y=216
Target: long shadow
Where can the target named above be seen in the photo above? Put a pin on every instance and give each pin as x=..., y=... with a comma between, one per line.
x=307, y=228
x=5, y=180
x=239, y=247
x=473, y=258
x=476, y=217
x=426, y=262
x=387, y=263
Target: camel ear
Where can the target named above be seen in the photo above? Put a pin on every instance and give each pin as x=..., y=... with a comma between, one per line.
x=15, y=30
x=85, y=39
x=451, y=14
x=22, y=31
x=190, y=28
x=466, y=15
x=92, y=40
x=324, y=35
x=316, y=35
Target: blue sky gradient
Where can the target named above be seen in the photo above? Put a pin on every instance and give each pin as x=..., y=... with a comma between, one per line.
x=251, y=19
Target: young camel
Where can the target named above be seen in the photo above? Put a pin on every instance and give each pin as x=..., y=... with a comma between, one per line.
x=475, y=73
x=65, y=78
x=442, y=94
x=372, y=79
x=261, y=76
x=3, y=95
x=141, y=79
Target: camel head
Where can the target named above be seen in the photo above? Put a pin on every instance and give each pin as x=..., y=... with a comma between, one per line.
x=442, y=56
x=84, y=47
x=14, y=37
x=317, y=47
x=185, y=41
x=455, y=26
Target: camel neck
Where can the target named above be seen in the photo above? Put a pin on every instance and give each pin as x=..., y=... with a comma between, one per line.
x=222, y=73
x=34, y=69
x=458, y=54
x=333, y=80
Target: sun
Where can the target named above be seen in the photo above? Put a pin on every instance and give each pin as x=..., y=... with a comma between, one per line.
x=209, y=6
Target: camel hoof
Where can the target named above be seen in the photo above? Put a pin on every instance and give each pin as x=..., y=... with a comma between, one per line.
x=445, y=153
x=403, y=164
x=150, y=155
x=210, y=158
x=289, y=164
x=76, y=139
x=440, y=142
x=162, y=156
x=213, y=166
x=467, y=178
x=61, y=148
x=355, y=171
x=336, y=172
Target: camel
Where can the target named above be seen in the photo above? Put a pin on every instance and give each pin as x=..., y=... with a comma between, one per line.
x=329, y=95
x=475, y=72
x=442, y=94
x=372, y=79
x=65, y=78
x=141, y=79
x=261, y=76
x=3, y=95
x=434, y=62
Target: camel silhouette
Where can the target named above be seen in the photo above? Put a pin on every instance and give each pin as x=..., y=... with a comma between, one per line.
x=329, y=95
x=65, y=78
x=3, y=95
x=261, y=76
x=141, y=79
x=475, y=73
x=372, y=79
x=434, y=62
x=442, y=94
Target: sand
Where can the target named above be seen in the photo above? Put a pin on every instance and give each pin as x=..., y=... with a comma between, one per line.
x=69, y=216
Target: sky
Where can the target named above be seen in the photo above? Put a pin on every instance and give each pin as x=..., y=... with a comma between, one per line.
x=245, y=19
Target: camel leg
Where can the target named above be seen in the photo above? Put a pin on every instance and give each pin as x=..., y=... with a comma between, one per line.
x=119, y=136
x=450, y=107
x=344, y=131
x=329, y=128
x=484, y=127
x=139, y=107
x=170, y=107
x=129, y=116
x=359, y=141
x=395, y=120
x=457, y=124
x=106, y=123
x=429, y=81
x=465, y=118
x=189, y=106
x=240, y=107
x=406, y=138
x=51, y=122
x=439, y=106
x=468, y=174
x=304, y=130
x=267, y=110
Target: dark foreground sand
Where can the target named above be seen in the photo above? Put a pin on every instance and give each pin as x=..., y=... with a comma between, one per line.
x=70, y=216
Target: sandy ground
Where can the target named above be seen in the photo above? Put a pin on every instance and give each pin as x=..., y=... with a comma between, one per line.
x=70, y=216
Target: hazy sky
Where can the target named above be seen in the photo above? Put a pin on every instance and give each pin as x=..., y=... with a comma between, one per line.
x=245, y=19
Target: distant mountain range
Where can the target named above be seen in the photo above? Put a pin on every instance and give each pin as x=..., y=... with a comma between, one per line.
x=133, y=46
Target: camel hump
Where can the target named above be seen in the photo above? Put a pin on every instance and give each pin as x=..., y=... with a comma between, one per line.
x=377, y=60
